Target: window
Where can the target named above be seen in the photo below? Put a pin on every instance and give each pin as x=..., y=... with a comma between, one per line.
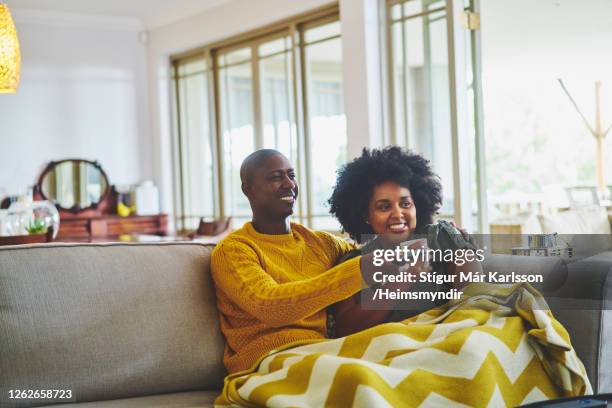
x=195, y=146
x=420, y=77
x=435, y=97
x=281, y=89
x=326, y=119
x=237, y=131
x=539, y=149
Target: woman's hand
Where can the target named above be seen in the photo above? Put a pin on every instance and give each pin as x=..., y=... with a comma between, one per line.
x=473, y=266
x=420, y=263
x=464, y=232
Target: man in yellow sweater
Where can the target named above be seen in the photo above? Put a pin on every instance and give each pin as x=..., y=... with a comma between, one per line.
x=275, y=278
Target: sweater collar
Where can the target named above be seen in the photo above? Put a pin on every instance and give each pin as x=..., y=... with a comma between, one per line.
x=269, y=237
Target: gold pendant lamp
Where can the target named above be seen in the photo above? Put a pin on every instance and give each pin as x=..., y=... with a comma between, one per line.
x=10, y=58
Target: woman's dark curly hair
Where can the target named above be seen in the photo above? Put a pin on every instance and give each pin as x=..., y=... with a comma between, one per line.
x=357, y=179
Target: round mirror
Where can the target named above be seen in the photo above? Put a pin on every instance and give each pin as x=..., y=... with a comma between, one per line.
x=74, y=184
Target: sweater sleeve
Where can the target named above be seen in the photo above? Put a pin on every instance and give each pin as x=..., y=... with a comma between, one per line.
x=338, y=245
x=238, y=272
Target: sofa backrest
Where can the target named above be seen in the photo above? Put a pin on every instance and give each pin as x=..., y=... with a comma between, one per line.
x=108, y=320
x=552, y=269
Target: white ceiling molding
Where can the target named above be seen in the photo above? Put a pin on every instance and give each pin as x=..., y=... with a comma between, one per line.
x=135, y=15
x=76, y=20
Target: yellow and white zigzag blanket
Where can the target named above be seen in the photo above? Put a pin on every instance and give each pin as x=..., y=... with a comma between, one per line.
x=497, y=346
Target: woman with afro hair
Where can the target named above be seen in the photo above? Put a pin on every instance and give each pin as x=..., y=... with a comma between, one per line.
x=358, y=179
x=382, y=198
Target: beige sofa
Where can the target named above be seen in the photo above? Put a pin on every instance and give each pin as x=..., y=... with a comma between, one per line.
x=135, y=325
x=110, y=322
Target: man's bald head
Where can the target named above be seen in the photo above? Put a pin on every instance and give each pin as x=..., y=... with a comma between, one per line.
x=253, y=161
x=268, y=181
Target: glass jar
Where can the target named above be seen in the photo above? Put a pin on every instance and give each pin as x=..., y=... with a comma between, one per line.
x=32, y=217
x=4, y=223
x=45, y=213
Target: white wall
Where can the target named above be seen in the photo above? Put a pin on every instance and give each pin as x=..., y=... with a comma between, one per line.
x=83, y=94
x=90, y=89
x=239, y=16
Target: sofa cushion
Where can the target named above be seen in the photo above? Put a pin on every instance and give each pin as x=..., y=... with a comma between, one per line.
x=108, y=320
x=191, y=399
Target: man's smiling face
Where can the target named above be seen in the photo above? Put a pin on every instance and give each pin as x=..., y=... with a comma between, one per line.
x=272, y=189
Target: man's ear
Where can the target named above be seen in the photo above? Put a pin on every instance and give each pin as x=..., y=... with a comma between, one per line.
x=246, y=189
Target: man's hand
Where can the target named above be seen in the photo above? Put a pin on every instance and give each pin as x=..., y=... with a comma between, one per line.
x=366, y=263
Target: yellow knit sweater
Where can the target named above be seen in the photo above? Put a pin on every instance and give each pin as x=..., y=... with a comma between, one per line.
x=273, y=289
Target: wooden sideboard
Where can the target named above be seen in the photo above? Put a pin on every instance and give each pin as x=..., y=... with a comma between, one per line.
x=111, y=225
x=87, y=204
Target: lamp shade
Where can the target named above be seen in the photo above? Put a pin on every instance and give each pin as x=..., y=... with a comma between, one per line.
x=10, y=58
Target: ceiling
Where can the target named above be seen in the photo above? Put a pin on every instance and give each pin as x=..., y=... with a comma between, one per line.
x=153, y=13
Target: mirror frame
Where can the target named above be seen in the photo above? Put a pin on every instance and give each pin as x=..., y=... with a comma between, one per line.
x=75, y=209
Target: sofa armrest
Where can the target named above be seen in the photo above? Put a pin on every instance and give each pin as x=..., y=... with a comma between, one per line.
x=580, y=296
x=583, y=305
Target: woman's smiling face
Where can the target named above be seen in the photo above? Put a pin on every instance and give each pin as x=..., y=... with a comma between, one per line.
x=391, y=211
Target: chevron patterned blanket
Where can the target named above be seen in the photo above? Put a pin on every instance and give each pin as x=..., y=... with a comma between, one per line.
x=497, y=346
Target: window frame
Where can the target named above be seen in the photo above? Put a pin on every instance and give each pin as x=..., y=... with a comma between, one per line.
x=463, y=178
x=294, y=28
